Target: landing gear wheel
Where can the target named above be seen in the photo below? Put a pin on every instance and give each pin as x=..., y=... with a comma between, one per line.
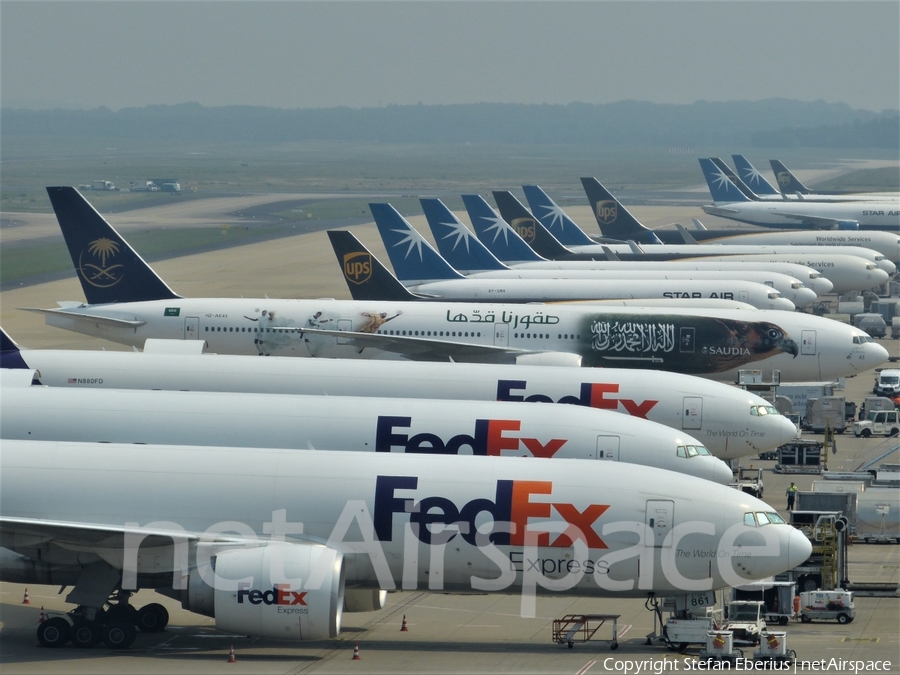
x=119, y=633
x=53, y=632
x=152, y=618
x=86, y=634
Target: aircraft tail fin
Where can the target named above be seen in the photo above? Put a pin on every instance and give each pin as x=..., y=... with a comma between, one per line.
x=107, y=267
x=10, y=355
x=495, y=233
x=787, y=182
x=554, y=218
x=455, y=242
x=366, y=277
x=734, y=178
x=413, y=258
x=720, y=186
x=613, y=219
x=752, y=177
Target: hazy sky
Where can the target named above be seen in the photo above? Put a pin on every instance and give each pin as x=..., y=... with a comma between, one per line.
x=359, y=54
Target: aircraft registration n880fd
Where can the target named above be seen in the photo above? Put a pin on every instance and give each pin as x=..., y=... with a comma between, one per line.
x=129, y=303
x=729, y=421
x=292, y=531
x=415, y=426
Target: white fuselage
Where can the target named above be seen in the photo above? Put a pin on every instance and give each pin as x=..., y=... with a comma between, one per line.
x=886, y=243
x=362, y=505
x=726, y=419
x=869, y=214
x=714, y=343
x=560, y=290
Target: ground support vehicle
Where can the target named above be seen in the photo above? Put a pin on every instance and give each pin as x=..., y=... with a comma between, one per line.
x=773, y=649
x=827, y=606
x=574, y=628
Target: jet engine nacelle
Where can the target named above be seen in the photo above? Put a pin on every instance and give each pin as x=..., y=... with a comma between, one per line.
x=280, y=591
x=364, y=599
x=847, y=225
x=550, y=359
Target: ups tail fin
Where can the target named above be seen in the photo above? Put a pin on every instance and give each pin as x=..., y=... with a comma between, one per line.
x=107, y=267
x=787, y=182
x=413, y=258
x=720, y=186
x=10, y=356
x=752, y=177
x=613, y=219
x=554, y=218
x=734, y=178
x=456, y=243
x=548, y=246
x=495, y=233
x=366, y=277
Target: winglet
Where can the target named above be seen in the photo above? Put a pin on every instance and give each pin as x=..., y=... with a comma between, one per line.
x=456, y=243
x=611, y=255
x=720, y=186
x=688, y=238
x=107, y=267
x=413, y=258
x=555, y=219
x=698, y=225
x=613, y=219
x=787, y=182
x=10, y=355
x=366, y=277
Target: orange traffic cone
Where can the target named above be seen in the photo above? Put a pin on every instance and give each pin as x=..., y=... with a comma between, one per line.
x=356, y=653
x=42, y=618
x=25, y=600
x=403, y=627
x=231, y=658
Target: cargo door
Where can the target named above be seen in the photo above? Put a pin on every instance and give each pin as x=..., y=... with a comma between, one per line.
x=693, y=413
x=191, y=328
x=501, y=335
x=660, y=516
x=608, y=448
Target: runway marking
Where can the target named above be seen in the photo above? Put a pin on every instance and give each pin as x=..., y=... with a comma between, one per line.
x=850, y=639
x=475, y=611
x=476, y=625
x=625, y=629
x=587, y=667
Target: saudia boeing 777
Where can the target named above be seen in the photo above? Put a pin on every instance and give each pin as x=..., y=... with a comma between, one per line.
x=293, y=532
x=730, y=422
x=128, y=303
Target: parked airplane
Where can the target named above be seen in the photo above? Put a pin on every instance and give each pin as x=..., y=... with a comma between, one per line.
x=469, y=255
x=731, y=422
x=731, y=203
x=846, y=272
x=789, y=184
x=699, y=341
x=422, y=269
x=292, y=532
x=466, y=254
x=425, y=426
x=615, y=221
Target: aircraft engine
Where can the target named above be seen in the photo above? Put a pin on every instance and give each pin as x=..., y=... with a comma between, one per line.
x=550, y=359
x=364, y=599
x=299, y=597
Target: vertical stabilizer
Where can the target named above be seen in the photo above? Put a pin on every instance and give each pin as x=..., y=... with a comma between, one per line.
x=456, y=243
x=10, y=356
x=787, y=182
x=720, y=186
x=496, y=234
x=753, y=178
x=366, y=277
x=613, y=219
x=107, y=267
x=554, y=218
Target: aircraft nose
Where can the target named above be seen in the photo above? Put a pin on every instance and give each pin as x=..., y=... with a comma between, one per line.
x=799, y=548
x=784, y=304
x=787, y=431
x=805, y=297
x=825, y=286
x=719, y=472
x=875, y=355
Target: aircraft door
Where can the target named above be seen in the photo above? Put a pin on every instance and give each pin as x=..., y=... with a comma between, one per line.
x=346, y=325
x=693, y=413
x=660, y=520
x=744, y=296
x=808, y=343
x=608, y=448
x=501, y=335
x=192, y=328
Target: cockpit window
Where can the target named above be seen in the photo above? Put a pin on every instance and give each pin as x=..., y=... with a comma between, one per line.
x=760, y=410
x=693, y=451
x=861, y=339
x=760, y=518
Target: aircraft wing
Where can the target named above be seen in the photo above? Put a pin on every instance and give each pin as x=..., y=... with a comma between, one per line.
x=91, y=318
x=81, y=536
x=420, y=349
x=817, y=222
